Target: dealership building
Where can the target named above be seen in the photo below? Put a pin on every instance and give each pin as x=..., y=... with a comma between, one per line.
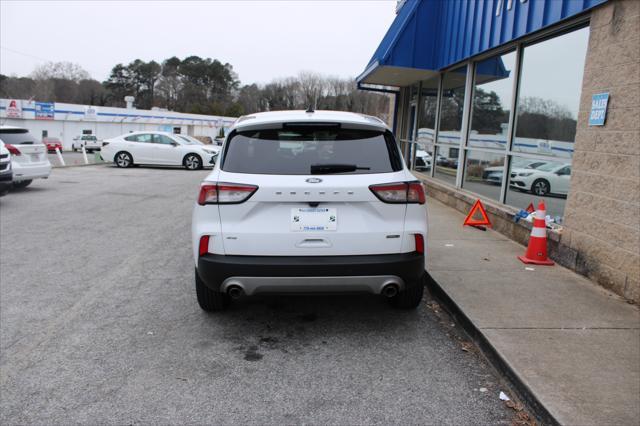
x=519, y=101
x=68, y=121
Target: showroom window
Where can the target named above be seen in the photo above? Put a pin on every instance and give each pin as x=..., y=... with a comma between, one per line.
x=490, y=113
x=450, y=126
x=533, y=132
x=426, y=133
x=547, y=116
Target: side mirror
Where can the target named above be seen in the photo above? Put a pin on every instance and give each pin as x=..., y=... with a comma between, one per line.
x=175, y=143
x=214, y=158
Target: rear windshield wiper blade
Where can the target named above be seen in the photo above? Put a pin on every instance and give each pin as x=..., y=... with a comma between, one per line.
x=322, y=169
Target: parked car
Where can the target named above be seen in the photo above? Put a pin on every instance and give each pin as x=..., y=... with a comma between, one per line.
x=204, y=139
x=90, y=143
x=52, y=144
x=28, y=156
x=550, y=178
x=494, y=174
x=304, y=202
x=6, y=173
x=423, y=161
x=157, y=148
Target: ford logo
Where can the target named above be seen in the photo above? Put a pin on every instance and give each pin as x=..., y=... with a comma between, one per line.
x=314, y=180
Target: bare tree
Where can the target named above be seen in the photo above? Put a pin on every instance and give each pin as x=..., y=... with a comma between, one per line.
x=60, y=70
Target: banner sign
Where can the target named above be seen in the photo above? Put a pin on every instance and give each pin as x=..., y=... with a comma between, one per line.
x=598, y=114
x=14, y=108
x=44, y=111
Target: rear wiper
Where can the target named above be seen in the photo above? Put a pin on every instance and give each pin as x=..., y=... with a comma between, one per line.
x=323, y=169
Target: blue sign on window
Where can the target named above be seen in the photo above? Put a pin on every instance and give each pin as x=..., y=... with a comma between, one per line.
x=598, y=114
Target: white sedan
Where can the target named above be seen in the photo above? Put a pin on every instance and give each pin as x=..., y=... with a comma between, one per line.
x=157, y=148
x=550, y=178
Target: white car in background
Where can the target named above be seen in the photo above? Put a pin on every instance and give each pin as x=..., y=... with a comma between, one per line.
x=29, y=159
x=157, y=148
x=90, y=143
x=550, y=178
x=494, y=174
x=309, y=202
x=6, y=174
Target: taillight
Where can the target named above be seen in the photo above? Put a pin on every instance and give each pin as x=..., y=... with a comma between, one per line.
x=225, y=193
x=415, y=193
x=12, y=149
x=419, y=243
x=204, y=245
x=399, y=192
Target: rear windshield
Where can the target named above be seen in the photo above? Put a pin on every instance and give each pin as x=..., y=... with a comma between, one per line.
x=299, y=150
x=17, y=137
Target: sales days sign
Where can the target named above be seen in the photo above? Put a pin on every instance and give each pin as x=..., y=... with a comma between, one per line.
x=598, y=113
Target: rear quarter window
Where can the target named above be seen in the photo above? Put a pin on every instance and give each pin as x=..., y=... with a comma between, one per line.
x=293, y=150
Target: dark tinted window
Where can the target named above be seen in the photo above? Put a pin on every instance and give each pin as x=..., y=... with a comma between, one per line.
x=293, y=150
x=17, y=137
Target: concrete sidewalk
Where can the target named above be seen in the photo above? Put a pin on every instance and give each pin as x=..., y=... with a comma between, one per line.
x=572, y=344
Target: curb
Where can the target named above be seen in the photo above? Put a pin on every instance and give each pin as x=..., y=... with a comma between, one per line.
x=77, y=165
x=524, y=393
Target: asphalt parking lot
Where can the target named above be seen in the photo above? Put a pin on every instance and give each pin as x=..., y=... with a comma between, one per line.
x=100, y=324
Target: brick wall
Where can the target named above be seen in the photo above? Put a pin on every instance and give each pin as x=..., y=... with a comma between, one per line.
x=602, y=215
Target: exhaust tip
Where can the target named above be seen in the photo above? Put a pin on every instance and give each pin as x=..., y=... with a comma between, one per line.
x=235, y=292
x=390, y=290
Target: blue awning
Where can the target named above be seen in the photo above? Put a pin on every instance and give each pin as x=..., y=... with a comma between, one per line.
x=430, y=35
x=399, y=60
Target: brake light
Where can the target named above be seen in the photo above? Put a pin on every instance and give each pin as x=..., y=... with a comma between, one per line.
x=204, y=245
x=225, y=193
x=399, y=192
x=415, y=193
x=12, y=149
x=419, y=243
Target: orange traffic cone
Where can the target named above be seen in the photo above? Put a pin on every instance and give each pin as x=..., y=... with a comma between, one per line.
x=537, y=248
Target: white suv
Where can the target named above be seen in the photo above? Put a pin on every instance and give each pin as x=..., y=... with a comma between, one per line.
x=29, y=159
x=309, y=202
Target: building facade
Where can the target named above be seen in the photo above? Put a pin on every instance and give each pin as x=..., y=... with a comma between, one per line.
x=67, y=121
x=518, y=101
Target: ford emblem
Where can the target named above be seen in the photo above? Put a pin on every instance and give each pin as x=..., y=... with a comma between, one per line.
x=314, y=180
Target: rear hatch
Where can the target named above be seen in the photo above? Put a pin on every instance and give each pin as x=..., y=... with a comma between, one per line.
x=309, y=199
x=32, y=152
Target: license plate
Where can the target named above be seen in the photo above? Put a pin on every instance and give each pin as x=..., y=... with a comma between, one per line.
x=35, y=157
x=314, y=219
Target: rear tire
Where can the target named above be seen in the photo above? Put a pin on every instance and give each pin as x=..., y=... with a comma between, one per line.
x=123, y=159
x=22, y=184
x=209, y=300
x=410, y=297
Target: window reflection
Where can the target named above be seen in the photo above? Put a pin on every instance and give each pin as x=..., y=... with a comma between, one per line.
x=532, y=180
x=492, y=102
x=549, y=97
x=453, y=89
x=483, y=173
x=426, y=125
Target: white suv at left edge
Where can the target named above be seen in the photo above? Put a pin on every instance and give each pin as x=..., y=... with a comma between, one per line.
x=157, y=148
x=29, y=159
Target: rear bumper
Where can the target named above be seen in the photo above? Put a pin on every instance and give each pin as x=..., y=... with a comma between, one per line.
x=28, y=171
x=293, y=274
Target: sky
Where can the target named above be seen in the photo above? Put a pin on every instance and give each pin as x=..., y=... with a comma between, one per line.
x=263, y=40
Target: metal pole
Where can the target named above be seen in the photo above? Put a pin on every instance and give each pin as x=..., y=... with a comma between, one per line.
x=84, y=154
x=60, y=156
